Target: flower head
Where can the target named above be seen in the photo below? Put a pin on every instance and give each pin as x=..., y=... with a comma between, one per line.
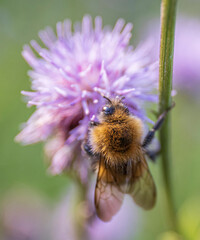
x=69, y=77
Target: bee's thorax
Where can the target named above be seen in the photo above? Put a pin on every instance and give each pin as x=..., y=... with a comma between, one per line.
x=117, y=140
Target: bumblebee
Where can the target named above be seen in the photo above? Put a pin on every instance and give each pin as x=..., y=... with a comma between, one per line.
x=118, y=154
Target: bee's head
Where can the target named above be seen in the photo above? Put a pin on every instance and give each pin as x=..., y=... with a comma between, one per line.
x=114, y=110
x=108, y=110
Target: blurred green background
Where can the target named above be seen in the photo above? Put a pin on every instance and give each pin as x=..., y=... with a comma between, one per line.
x=20, y=21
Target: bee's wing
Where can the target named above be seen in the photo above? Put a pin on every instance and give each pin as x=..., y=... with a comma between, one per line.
x=141, y=185
x=108, y=196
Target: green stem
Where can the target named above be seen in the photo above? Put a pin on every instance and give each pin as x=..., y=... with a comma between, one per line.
x=168, y=18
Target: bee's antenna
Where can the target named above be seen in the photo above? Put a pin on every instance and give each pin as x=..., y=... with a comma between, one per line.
x=107, y=99
x=120, y=98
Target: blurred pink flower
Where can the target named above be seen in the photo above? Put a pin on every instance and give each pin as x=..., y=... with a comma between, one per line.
x=23, y=214
x=123, y=226
x=63, y=220
x=69, y=78
x=69, y=212
x=186, y=70
x=187, y=55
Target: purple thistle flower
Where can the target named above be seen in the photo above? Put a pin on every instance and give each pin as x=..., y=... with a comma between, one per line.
x=70, y=76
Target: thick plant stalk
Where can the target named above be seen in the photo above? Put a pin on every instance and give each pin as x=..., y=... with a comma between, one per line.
x=168, y=18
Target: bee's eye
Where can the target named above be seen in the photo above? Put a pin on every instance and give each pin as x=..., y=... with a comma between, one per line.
x=108, y=110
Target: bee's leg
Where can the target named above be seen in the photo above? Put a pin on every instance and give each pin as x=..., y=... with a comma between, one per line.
x=87, y=148
x=93, y=156
x=150, y=135
x=152, y=154
x=93, y=124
